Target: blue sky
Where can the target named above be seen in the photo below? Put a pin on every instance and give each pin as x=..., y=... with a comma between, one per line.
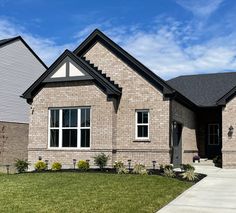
x=171, y=37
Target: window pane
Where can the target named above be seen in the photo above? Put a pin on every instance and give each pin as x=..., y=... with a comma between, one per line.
x=85, y=117
x=73, y=118
x=65, y=119
x=85, y=137
x=54, y=122
x=54, y=138
x=140, y=117
x=145, y=117
x=69, y=138
x=142, y=131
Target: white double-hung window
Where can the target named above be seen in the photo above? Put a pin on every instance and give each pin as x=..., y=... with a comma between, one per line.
x=142, y=124
x=69, y=128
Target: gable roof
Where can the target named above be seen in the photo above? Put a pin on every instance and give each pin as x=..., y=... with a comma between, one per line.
x=205, y=90
x=98, y=36
x=8, y=41
x=110, y=87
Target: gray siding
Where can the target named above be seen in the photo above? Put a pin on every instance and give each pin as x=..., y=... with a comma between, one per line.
x=18, y=70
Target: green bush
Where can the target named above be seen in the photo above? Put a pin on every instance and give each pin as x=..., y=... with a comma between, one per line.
x=187, y=167
x=21, y=165
x=56, y=166
x=169, y=172
x=189, y=175
x=83, y=165
x=140, y=169
x=100, y=160
x=40, y=165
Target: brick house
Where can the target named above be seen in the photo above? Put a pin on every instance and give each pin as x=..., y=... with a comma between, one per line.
x=99, y=98
x=19, y=67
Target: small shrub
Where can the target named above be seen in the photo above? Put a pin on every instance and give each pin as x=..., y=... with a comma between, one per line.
x=100, y=160
x=118, y=164
x=140, y=169
x=40, y=165
x=122, y=170
x=187, y=167
x=83, y=165
x=189, y=175
x=21, y=165
x=169, y=172
x=56, y=166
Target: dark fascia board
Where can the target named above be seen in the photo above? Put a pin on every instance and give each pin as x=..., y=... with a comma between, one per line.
x=11, y=40
x=110, y=88
x=98, y=36
x=227, y=97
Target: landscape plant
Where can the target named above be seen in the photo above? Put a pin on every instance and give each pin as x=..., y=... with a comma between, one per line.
x=56, y=166
x=100, y=160
x=187, y=167
x=168, y=172
x=140, y=169
x=21, y=165
x=40, y=166
x=189, y=175
x=83, y=165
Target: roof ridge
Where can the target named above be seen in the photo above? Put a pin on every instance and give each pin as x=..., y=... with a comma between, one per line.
x=203, y=74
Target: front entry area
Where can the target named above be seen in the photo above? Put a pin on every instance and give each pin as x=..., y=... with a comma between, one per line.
x=213, y=145
x=209, y=132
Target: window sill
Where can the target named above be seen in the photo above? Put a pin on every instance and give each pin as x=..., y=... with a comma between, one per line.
x=69, y=149
x=142, y=140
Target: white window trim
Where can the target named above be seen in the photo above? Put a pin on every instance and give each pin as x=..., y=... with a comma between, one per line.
x=136, y=125
x=61, y=128
x=218, y=134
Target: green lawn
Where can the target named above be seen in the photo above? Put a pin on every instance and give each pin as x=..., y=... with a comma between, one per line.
x=86, y=192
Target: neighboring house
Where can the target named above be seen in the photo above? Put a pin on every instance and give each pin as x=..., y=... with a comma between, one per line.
x=101, y=99
x=19, y=67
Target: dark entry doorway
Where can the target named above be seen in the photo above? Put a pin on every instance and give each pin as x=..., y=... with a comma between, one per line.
x=177, y=144
x=213, y=145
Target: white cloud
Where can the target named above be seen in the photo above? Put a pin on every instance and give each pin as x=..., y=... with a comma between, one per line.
x=46, y=48
x=165, y=51
x=169, y=48
x=200, y=8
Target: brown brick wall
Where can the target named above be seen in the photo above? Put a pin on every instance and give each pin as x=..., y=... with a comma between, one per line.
x=187, y=118
x=70, y=95
x=137, y=93
x=13, y=143
x=110, y=129
x=229, y=143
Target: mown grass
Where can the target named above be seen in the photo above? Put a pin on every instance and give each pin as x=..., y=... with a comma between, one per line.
x=86, y=192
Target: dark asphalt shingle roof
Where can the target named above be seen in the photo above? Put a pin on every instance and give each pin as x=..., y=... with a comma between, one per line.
x=204, y=89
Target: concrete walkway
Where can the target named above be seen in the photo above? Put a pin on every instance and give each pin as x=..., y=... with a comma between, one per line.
x=215, y=193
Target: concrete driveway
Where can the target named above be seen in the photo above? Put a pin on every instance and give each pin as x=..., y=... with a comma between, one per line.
x=215, y=193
